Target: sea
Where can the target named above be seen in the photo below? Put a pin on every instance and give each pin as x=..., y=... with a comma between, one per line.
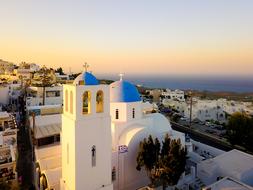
x=213, y=84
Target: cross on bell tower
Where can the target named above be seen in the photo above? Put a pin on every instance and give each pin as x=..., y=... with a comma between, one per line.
x=86, y=66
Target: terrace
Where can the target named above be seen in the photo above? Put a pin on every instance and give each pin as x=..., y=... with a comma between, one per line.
x=7, y=163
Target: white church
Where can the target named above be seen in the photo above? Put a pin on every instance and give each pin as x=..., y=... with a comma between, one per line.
x=102, y=126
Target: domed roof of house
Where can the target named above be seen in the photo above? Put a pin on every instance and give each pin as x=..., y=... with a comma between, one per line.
x=123, y=91
x=86, y=78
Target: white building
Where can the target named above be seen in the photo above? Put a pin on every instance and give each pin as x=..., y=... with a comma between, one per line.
x=31, y=67
x=203, y=110
x=8, y=147
x=53, y=96
x=101, y=129
x=9, y=93
x=86, y=135
x=129, y=126
x=206, y=110
x=46, y=129
x=180, y=106
x=216, y=110
x=173, y=95
x=235, y=164
x=60, y=77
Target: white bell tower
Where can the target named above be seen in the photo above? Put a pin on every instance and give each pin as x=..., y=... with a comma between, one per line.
x=86, y=135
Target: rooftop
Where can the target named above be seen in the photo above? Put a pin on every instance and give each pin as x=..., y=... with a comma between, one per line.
x=47, y=130
x=234, y=161
x=235, y=164
x=86, y=78
x=123, y=91
x=228, y=183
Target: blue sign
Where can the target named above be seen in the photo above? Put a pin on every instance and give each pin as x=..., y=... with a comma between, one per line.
x=123, y=149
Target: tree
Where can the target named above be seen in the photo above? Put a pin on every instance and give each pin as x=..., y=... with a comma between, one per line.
x=148, y=156
x=240, y=130
x=60, y=71
x=44, y=77
x=173, y=161
x=5, y=185
x=163, y=165
x=74, y=75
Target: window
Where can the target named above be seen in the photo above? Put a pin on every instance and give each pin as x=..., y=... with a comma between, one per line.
x=93, y=156
x=71, y=102
x=66, y=100
x=133, y=114
x=113, y=173
x=57, y=93
x=117, y=114
x=100, y=101
x=81, y=82
x=86, y=102
x=53, y=93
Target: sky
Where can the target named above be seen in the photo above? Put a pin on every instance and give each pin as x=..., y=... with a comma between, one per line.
x=134, y=37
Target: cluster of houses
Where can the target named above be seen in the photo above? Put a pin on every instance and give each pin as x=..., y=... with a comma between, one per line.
x=28, y=77
x=85, y=136
x=202, y=109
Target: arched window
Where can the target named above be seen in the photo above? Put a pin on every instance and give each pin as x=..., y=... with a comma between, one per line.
x=81, y=82
x=93, y=156
x=86, y=102
x=66, y=100
x=71, y=102
x=117, y=114
x=43, y=182
x=100, y=101
x=133, y=113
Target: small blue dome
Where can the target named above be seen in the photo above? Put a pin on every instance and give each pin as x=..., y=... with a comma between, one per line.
x=86, y=78
x=123, y=91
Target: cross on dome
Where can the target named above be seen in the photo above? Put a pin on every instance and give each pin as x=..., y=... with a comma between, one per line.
x=121, y=76
x=86, y=66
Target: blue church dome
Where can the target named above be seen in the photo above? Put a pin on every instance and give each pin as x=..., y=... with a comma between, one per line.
x=86, y=78
x=123, y=91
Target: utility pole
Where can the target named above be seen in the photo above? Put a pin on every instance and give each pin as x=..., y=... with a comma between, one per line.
x=43, y=84
x=190, y=124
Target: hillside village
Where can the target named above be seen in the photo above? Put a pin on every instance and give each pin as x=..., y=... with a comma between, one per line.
x=34, y=103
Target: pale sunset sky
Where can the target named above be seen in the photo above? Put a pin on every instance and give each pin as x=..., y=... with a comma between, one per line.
x=155, y=37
